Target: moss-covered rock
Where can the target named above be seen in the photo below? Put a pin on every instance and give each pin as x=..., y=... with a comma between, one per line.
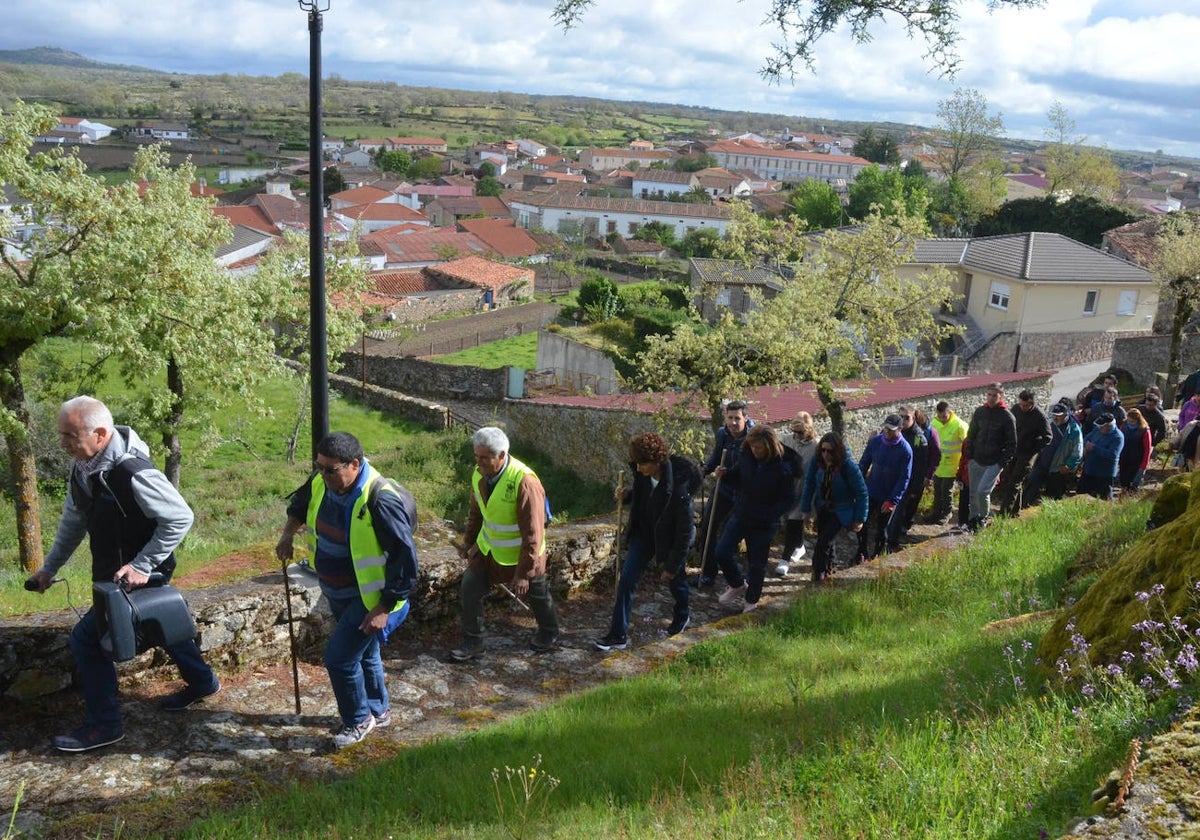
x=1168, y=555
x=1173, y=498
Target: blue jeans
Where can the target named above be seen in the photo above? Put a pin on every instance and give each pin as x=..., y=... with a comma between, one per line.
x=758, y=545
x=354, y=664
x=637, y=556
x=981, y=480
x=99, y=675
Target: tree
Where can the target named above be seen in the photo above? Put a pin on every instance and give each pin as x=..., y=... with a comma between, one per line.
x=969, y=160
x=815, y=205
x=699, y=242
x=1073, y=168
x=332, y=181
x=395, y=161
x=846, y=303
x=598, y=299
x=875, y=187
x=489, y=185
x=803, y=23
x=1083, y=218
x=877, y=148
x=1177, y=266
x=425, y=167
x=694, y=164
x=656, y=231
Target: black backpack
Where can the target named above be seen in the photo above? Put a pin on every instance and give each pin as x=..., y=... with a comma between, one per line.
x=406, y=499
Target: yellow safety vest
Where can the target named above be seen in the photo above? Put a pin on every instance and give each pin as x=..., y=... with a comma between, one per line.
x=500, y=535
x=366, y=553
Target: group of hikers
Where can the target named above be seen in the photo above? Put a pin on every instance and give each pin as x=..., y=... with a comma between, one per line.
x=359, y=525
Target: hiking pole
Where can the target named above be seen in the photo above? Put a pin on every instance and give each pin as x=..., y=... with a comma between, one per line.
x=287, y=593
x=512, y=595
x=620, y=504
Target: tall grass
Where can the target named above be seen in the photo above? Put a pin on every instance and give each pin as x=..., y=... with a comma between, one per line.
x=887, y=709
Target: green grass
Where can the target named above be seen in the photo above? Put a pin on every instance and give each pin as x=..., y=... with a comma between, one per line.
x=884, y=710
x=518, y=351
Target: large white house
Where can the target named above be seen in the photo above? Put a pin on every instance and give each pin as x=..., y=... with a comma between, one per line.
x=790, y=165
x=569, y=215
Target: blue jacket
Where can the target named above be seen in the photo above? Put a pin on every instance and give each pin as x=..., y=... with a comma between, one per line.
x=764, y=490
x=1064, y=449
x=1106, y=452
x=846, y=494
x=888, y=467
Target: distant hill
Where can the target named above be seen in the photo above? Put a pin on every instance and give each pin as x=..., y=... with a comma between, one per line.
x=63, y=58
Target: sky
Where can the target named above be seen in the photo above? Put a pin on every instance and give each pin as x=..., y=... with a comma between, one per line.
x=1123, y=70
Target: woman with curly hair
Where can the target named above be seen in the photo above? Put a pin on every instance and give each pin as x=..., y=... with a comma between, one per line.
x=660, y=528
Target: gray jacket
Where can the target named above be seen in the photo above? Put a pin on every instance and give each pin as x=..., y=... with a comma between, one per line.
x=155, y=495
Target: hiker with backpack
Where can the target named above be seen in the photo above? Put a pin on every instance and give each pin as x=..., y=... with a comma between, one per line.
x=661, y=527
x=835, y=497
x=359, y=527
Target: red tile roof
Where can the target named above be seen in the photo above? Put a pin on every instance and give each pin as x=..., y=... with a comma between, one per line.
x=483, y=273
x=247, y=215
x=400, y=283
x=502, y=236
x=423, y=248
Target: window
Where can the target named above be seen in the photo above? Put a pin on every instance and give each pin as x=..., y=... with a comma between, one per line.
x=1089, y=302
x=1127, y=303
x=723, y=297
x=998, y=298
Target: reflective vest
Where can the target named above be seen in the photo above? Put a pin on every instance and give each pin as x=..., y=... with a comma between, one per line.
x=951, y=434
x=366, y=553
x=499, y=535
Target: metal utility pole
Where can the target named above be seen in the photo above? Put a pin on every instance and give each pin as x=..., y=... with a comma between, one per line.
x=318, y=351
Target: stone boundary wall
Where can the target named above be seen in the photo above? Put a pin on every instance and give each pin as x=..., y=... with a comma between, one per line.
x=424, y=306
x=427, y=413
x=594, y=441
x=418, y=376
x=246, y=622
x=1146, y=355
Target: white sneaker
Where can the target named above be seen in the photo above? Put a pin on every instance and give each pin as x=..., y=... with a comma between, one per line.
x=731, y=594
x=750, y=607
x=781, y=569
x=353, y=734
x=798, y=553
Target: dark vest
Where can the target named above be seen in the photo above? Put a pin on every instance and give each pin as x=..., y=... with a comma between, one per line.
x=117, y=528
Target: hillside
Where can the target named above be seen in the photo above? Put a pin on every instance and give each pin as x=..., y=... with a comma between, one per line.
x=275, y=108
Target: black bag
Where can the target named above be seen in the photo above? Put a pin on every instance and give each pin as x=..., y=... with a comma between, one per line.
x=132, y=622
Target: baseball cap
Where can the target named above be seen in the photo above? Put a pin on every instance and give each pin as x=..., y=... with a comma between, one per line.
x=892, y=422
x=1058, y=408
x=1104, y=419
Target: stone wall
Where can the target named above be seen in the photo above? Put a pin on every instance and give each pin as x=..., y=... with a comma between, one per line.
x=427, y=413
x=1041, y=351
x=422, y=307
x=1146, y=355
x=417, y=376
x=244, y=623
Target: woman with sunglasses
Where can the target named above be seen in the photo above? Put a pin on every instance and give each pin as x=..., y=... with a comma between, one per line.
x=835, y=495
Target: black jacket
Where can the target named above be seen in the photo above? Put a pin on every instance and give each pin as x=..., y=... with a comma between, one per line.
x=1033, y=430
x=665, y=512
x=992, y=436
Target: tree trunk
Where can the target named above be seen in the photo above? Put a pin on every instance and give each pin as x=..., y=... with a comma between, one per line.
x=22, y=463
x=834, y=407
x=170, y=436
x=1183, y=313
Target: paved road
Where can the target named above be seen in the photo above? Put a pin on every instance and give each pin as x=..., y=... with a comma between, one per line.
x=1069, y=381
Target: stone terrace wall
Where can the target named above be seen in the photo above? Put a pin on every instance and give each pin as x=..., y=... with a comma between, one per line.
x=246, y=622
x=417, y=376
x=427, y=413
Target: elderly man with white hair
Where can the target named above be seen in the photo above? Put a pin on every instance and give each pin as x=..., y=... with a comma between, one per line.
x=504, y=543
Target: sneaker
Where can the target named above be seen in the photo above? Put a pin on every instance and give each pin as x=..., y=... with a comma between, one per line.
x=186, y=697
x=798, y=554
x=750, y=607
x=87, y=738
x=384, y=719
x=353, y=734
x=469, y=649
x=731, y=594
x=781, y=568
x=610, y=642
x=544, y=641
x=679, y=625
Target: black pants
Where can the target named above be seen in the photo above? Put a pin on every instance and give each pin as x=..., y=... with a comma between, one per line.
x=1007, y=494
x=828, y=526
x=872, y=539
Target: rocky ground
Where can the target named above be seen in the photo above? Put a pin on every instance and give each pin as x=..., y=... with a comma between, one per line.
x=251, y=734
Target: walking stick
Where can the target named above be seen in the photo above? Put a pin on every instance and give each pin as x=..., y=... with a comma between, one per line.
x=513, y=595
x=287, y=593
x=711, y=516
x=620, y=504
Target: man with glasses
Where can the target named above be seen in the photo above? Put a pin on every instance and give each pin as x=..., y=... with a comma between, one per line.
x=359, y=527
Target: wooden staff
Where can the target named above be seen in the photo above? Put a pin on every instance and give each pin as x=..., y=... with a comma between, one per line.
x=711, y=517
x=287, y=593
